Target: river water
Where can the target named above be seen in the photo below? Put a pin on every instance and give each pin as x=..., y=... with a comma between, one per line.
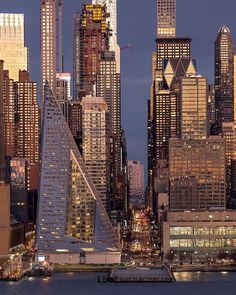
x=86, y=284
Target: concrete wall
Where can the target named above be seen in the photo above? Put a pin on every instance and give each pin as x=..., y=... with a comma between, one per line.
x=64, y=258
x=90, y=258
x=103, y=258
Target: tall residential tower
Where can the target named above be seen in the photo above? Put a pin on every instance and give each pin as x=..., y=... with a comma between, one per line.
x=112, y=20
x=91, y=37
x=166, y=18
x=48, y=44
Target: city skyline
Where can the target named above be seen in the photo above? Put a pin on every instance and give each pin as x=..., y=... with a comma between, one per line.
x=136, y=79
x=91, y=105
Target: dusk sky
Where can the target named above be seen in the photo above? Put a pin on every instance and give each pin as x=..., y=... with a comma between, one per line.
x=199, y=20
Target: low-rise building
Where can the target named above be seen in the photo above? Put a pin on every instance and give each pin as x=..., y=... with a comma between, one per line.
x=199, y=235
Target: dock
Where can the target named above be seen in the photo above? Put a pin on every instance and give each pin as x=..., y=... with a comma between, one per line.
x=141, y=275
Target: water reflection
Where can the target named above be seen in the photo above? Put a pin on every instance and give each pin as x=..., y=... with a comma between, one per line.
x=200, y=276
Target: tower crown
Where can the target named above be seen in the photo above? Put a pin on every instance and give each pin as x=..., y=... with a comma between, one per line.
x=224, y=30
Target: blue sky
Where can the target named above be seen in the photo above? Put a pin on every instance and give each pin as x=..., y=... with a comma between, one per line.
x=199, y=20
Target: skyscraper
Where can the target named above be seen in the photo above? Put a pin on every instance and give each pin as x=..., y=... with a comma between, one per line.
x=196, y=161
x=48, y=44
x=224, y=77
x=108, y=85
x=27, y=119
x=12, y=44
x=166, y=18
x=9, y=107
x=75, y=120
x=21, y=123
x=70, y=212
x=229, y=135
x=164, y=102
x=63, y=92
x=194, y=94
x=96, y=149
x=112, y=21
x=91, y=37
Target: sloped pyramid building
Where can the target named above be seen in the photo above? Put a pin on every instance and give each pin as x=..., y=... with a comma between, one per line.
x=71, y=217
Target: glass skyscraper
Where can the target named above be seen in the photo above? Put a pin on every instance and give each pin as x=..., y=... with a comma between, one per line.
x=48, y=44
x=12, y=45
x=224, y=77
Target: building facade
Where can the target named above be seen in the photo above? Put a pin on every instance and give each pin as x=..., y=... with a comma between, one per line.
x=108, y=86
x=9, y=96
x=63, y=94
x=166, y=18
x=12, y=44
x=228, y=132
x=96, y=149
x=111, y=6
x=136, y=179
x=48, y=44
x=91, y=37
x=27, y=119
x=199, y=236
x=197, y=174
x=194, y=122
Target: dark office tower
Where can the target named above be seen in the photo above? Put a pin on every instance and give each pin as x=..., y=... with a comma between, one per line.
x=166, y=18
x=211, y=110
x=18, y=183
x=228, y=132
x=120, y=207
x=108, y=86
x=2, y=133
x=91, y=37
x=76, y=54
x=75, y=118
x=48, y=44
x=224, y=77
